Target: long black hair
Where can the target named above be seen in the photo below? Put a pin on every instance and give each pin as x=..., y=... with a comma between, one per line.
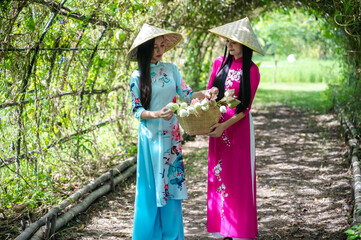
x=144, y=56
x=245, y=85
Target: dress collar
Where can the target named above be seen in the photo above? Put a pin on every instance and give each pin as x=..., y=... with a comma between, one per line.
x=238, y=60
x=156, y=65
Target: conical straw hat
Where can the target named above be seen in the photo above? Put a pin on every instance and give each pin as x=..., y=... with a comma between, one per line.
x=148, y=32
x=239, y=31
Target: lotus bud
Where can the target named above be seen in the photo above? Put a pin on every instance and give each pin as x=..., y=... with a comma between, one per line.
x=183, y=113
x=169, y=105
x=205, y=108
x=223, y=109
x=229, y=93
x=175, y=107
x=205, y=102
x=197, y=106
x=229, y=99
x=183, y=105
x=172, y=106
x=190, y=110
x=234, y=103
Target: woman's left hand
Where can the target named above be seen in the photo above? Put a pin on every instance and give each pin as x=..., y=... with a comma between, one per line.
x=217, y=131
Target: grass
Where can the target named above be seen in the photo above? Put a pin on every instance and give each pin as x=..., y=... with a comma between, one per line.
x=306, y=70
x=302, y=84
x=310, y=96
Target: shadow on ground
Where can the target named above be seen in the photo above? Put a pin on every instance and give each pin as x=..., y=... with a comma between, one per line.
x=303, y=184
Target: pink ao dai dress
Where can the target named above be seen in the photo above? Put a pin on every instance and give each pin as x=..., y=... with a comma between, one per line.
x=231, y=196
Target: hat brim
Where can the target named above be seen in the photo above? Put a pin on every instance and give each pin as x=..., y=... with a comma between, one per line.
x=132, y=54
x=236, y=40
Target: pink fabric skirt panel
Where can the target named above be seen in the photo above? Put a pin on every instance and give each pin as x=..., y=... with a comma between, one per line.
x=231, y=207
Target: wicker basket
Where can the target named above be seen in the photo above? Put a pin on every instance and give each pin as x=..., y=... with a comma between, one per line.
x=200, y=122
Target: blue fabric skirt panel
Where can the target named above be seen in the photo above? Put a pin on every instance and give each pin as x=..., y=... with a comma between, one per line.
x=152, y=222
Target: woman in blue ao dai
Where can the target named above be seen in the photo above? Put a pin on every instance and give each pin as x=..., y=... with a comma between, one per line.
x=160, y=179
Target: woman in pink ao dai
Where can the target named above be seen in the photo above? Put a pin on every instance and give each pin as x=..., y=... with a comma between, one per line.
x=231, y=200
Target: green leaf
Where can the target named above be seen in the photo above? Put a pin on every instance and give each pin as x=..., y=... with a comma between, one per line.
x=30, y=24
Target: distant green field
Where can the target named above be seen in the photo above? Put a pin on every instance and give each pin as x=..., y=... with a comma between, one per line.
x=301, y=70
x=309, y=96
x=302, y=83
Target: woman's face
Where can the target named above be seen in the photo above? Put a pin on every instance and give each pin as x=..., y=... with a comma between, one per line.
x=235, y=48
x=159, y=48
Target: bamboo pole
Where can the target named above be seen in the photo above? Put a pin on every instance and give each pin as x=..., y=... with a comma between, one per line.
x=77, y=195
x=353, y=145
x=356, y=185
x=71, y=213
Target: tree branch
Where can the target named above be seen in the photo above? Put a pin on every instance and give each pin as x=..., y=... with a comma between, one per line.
x=54, y=6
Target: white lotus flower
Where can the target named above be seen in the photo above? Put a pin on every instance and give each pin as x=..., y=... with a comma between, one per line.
x=205, y=102
x=223, y=109
x=173, y=106
x=205, y=108
x=183, y=113
x=190, y=110
x=183, y=105
x=197, y=106
x=169, y=105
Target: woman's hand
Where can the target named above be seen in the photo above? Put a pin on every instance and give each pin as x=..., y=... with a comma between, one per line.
x=166, y=113
x=217, y=130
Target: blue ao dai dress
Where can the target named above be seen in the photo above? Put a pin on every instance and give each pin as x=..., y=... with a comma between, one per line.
x=160, y=169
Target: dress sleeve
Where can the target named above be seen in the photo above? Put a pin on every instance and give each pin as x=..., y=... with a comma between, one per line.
x=134, y=90
x=183, y=90
x=216, y=65
x=254, y=79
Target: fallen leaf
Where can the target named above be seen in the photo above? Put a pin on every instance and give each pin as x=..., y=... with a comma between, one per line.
x=81, y=228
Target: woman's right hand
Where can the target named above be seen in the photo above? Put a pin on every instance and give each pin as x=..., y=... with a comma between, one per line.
x=166, y=113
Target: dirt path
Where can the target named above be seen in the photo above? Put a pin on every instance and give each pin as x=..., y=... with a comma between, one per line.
x=303, y=184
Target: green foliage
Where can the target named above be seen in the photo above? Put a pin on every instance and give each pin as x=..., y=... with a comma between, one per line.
x=354, y=233
x=20, y=193
x=292, y=31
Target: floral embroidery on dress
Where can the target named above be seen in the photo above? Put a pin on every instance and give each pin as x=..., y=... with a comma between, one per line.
x=225, y=139
x=233, y=75
x=221, y=189
x=175, y=132
x=176, y=169
x=135, y=101
x=187, y=90
x=224, y=135
x=160, y=78
x=218, y=169
x=166, y=192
